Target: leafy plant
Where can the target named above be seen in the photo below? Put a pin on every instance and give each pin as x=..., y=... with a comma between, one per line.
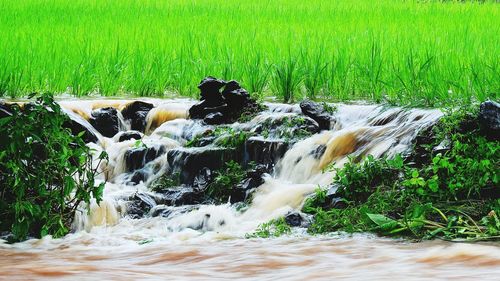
x=45, y=171
x=226, y=179
x=453, y=196
x=273, y=228
x=166, y=181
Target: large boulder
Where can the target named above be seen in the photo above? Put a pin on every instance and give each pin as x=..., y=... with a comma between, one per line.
x=210, y=91
x=182, y=195
x=265, y=151
x=136, y=112
x=217, y=107
x=166, y=211
x=317, y=112
x=489, y=119
x=105, y=121
x=137, y=157
x=190, y=162
x=235, y=96
x=78, y=125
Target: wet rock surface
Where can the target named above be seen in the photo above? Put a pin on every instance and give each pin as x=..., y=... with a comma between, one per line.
x=136, y=112
x=298, y=219
x=139, y=205
x=130, y=135
x=264, y=151
x=137, y=157
x=189, y=162
x=76, y=126
x=105, y=121
x=317, y=112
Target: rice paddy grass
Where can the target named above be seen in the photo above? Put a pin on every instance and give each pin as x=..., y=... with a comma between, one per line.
x=425, y=53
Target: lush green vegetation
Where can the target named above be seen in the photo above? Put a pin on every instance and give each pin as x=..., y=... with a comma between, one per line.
x=225, y=181
x=273, y=228
x=45, y=171
x=453, y=195
x=420, y=52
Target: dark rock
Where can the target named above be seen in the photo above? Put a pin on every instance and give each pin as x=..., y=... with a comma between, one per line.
x=197, y=111
x=183, y=195
x=297, y=219
x=5, y=110
x=140, y=204
x=235, y=96
x=202, y=109
x=136, y=158
x=189, y=162
x=211, y=86
x=215, y=118
x=336, y=203
x=171, y=211
x=333, y=201
x=136, y=112
x=76, y=125
x=203, y=179
x=128, y=135
x=264, y=151
x=253, y=179
x=419, y=154
x=105, y=121
x=317, y=112
x=489, y=119
x=226, y=107
x=137, y=177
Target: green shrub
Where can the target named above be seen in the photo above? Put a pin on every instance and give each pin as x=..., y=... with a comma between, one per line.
x=45, y=171
x=454, y=195
x=356, y=181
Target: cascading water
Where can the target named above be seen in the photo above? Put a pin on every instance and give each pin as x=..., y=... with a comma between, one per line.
x=131, y=214
x=357, y=130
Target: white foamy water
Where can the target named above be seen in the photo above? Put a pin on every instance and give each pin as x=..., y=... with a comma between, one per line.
x=207, y=241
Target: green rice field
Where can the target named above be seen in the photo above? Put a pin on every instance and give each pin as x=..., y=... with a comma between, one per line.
x=425, y=53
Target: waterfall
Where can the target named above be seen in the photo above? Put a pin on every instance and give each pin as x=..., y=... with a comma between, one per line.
x=356, y=131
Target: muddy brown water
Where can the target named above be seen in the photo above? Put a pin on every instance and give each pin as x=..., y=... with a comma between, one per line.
x=360, y=257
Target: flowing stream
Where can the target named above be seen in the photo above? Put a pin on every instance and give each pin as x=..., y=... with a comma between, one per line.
x=207, y=241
